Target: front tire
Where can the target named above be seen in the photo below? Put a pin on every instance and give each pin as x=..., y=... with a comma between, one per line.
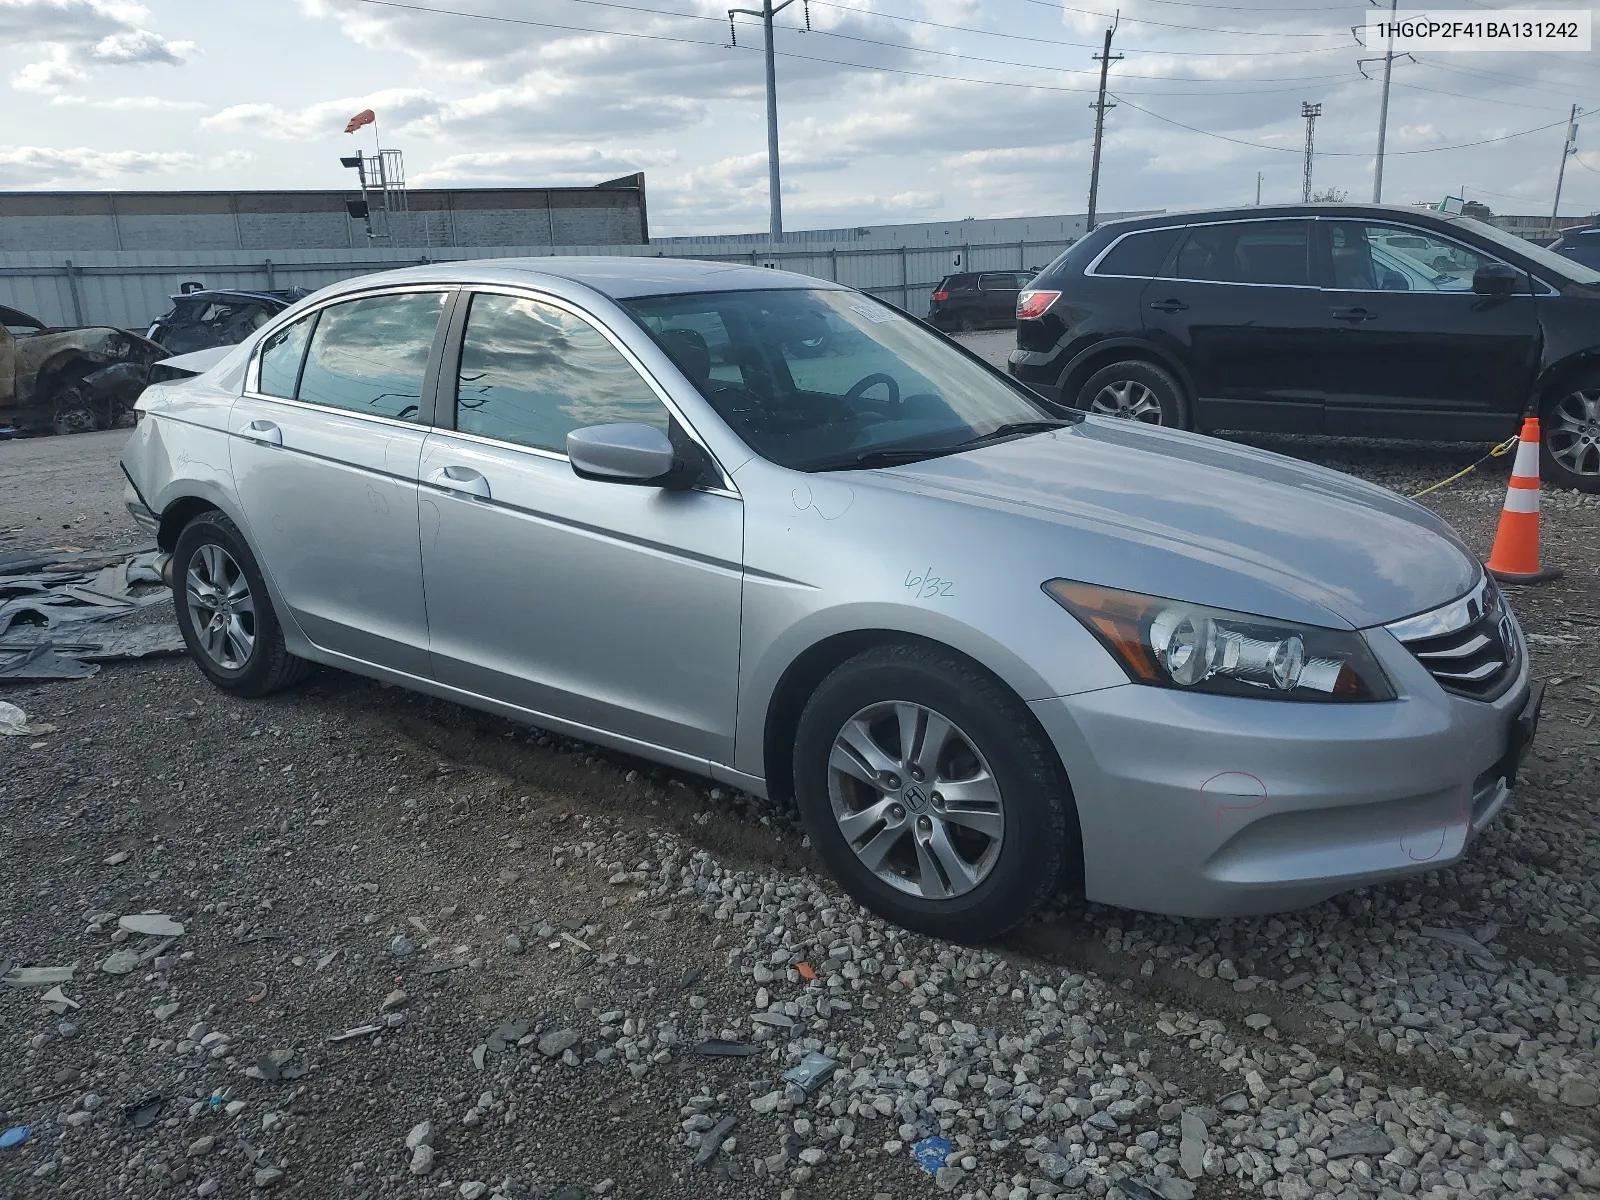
x=1569, y=426
x=224, y=611
x=1135, y=390
x=931, y=793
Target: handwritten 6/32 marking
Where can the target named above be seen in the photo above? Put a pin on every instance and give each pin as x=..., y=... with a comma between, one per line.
x=927, y=585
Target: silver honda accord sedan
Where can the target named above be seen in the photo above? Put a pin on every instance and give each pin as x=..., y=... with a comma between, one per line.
x=776, y=532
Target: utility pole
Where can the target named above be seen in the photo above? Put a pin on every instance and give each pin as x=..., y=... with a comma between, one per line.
x=1569, y=147
x=1310, y=112
x=766, y=12
x=1105, y=60
x=1258, y=188
x=1383, y=111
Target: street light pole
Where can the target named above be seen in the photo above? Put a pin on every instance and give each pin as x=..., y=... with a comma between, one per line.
x=766, y=12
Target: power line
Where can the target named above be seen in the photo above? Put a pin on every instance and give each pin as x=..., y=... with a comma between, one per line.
x=657, y=37
x=1417, y=87
x=1507, y=80
x=1169, y=25
x=1336, y=153
x=1023, y=37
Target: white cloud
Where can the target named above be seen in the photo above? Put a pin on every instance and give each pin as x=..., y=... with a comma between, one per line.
x=45, y=166
x=326, y=118
x=149, y=104
x=553, y=166
x=77, y=35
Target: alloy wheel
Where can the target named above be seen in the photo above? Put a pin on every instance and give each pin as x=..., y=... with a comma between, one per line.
x=915, y=800
x=1572, y=432
x=1128, y=399
x=220, y=606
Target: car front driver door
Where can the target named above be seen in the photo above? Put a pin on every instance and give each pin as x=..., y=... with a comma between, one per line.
x=1417, y=353
x=611, y=607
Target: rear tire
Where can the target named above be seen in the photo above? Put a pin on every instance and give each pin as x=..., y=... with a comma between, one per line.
x=966, y=863
x=1135, y=390
x=1569, y=429
x=225, y=613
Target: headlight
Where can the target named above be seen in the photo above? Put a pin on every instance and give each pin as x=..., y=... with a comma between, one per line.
x=1171, y=643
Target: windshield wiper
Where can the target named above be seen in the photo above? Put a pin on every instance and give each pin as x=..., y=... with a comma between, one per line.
x=888, y=456
x=1011, y=429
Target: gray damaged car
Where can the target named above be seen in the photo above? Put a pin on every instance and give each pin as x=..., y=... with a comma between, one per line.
x=775, y=532
x=70, y=380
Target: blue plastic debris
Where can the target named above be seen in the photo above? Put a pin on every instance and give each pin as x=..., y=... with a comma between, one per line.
x=930, y=1153
x=13, y=1137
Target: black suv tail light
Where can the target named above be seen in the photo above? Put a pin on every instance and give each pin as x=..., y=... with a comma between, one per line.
x=1032, y=305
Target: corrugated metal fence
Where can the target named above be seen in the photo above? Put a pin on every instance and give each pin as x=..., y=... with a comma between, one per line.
x=129, y=289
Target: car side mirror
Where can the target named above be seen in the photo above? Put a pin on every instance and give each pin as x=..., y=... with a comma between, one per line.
x=621, y=453
x=1496, y=279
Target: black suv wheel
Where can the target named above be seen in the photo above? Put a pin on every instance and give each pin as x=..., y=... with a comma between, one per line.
x=1569, y=423
x=1135, y=390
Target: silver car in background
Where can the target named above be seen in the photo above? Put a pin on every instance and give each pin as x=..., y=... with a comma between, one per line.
x=775, y=532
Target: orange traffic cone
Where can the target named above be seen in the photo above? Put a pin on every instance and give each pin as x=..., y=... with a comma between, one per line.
x=1515, y=558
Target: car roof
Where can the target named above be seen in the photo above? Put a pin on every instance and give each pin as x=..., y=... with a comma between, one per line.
x=1247, y=212
x=232, y=294
x=619, y=277
x=15, y=316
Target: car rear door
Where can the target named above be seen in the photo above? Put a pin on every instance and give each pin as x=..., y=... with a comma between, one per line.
x=606, y=606
x=1238, y=307
x=997, y=297
x=324, y=443
x=1417, y=353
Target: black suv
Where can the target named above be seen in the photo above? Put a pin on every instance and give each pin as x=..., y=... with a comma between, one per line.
x=1352, y=320
x=1581, y=244
x=977, y=300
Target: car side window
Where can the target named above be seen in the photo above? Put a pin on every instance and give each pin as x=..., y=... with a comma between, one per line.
x=370, y=356
x=1259, y=252
x=1139, y=254
x=997, y=283
x=1392, y=258
x=281, y=356
x=531, y=373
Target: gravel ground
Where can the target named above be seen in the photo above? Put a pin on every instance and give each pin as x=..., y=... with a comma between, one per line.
x=539, y=937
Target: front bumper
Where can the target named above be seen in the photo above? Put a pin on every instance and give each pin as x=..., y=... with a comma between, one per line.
x=1214, y=806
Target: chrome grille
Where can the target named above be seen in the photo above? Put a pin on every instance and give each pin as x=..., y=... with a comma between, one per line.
x=1469, y=645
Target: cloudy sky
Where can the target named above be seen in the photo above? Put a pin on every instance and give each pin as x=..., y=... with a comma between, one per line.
x=890, y=110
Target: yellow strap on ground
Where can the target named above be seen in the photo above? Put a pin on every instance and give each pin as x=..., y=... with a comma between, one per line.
x=1499, y=451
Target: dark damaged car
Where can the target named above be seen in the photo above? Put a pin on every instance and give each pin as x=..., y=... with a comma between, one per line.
x=199, y=320
x=70, y=380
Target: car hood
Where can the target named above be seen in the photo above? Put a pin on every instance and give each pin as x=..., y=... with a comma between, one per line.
x=1189, y=517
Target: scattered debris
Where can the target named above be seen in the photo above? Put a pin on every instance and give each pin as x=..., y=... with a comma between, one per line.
x=778, y=1019
x=719, y=1048
x=807, y=971
x=144, y=1112
x=510, y=1032
x=713, y=1139
x=58, y=1001
x=812, y=1071
x=120, y=962
x=439, y=968
x=14, y=723
x=260, y=994
x=117, y=859
x=38, y=976
x=326, y=960
x=580, y=944
x=14, y=1137
x=402, y=946
x=358, y=1032
x=395, y=999
x=55, y=618
x=931, y=1152
x=151, y=925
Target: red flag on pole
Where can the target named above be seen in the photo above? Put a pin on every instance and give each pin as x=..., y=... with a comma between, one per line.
x=365, y=117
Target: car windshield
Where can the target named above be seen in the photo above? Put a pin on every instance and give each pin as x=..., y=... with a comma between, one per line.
x=1557, y=264
x=833, y=380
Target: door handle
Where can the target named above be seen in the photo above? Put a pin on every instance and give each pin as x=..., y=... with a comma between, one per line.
x=1168, y=306
x=1353, y=314
x=461, y=480
x=263, y=431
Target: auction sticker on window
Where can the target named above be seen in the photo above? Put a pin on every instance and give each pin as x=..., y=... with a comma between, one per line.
x=1466, y=29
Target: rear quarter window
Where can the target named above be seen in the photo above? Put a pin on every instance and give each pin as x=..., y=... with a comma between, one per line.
x=1139, y=254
